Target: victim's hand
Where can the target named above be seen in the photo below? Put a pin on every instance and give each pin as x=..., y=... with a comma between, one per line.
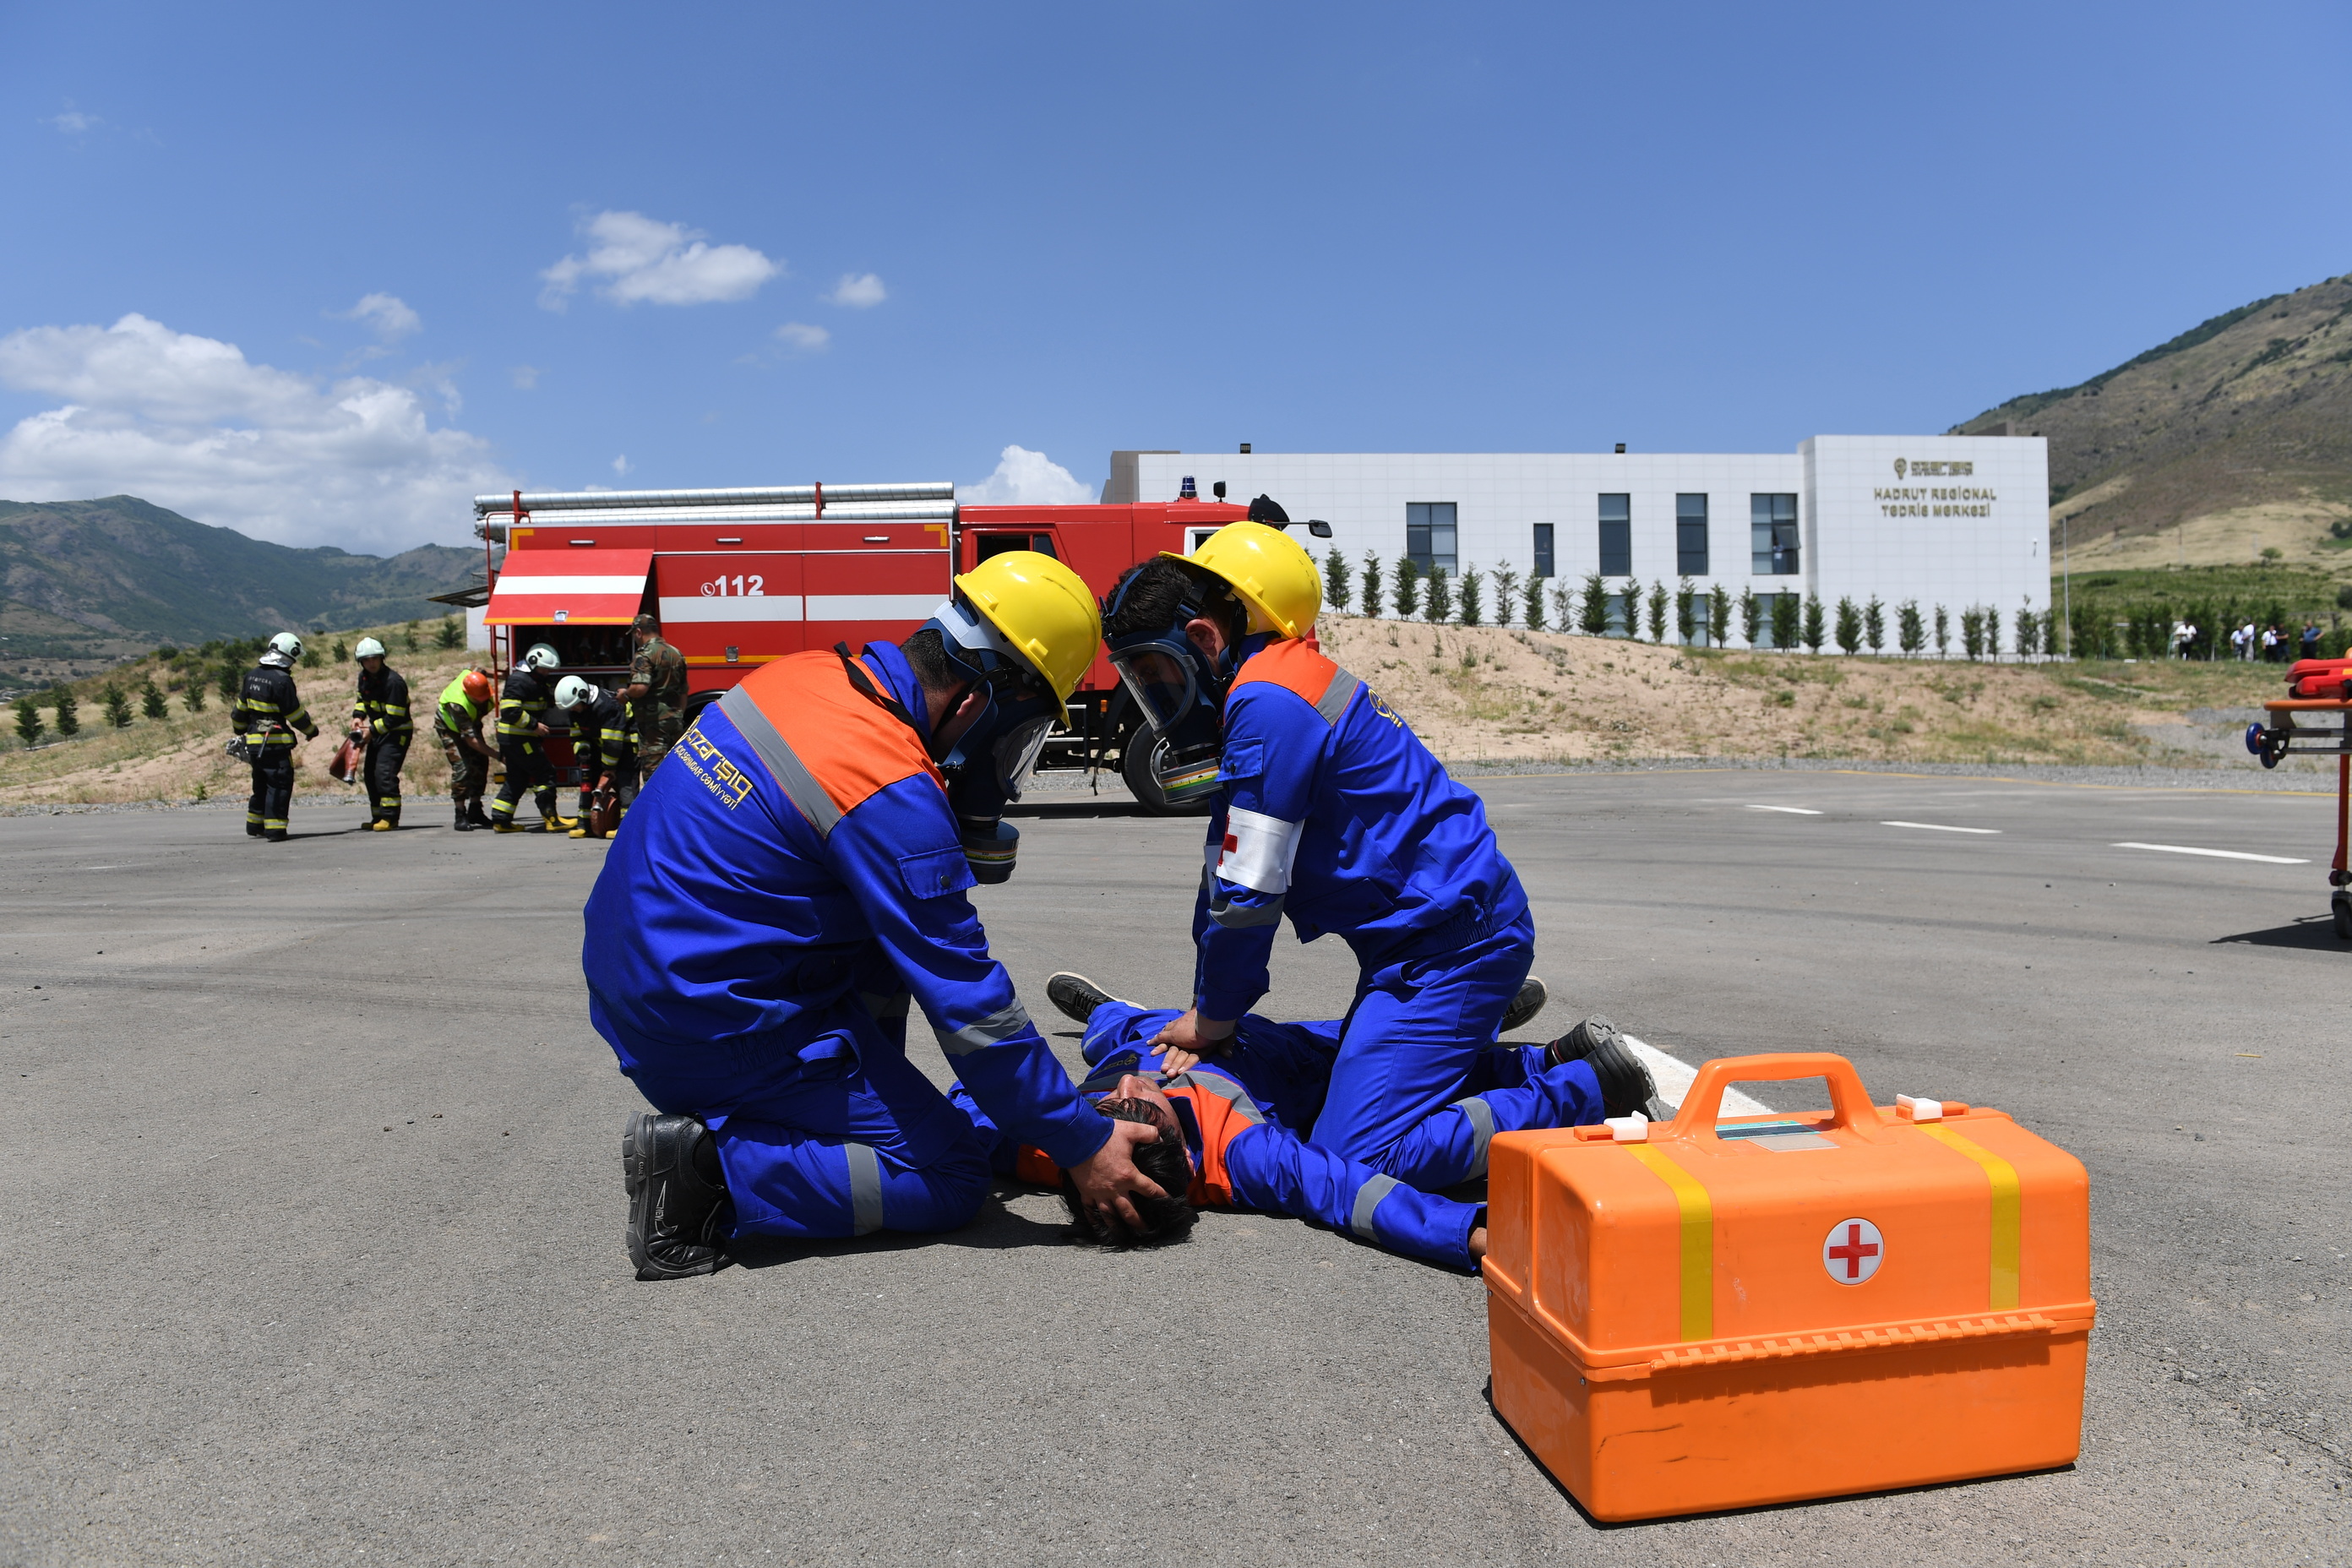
x=1194, y=1036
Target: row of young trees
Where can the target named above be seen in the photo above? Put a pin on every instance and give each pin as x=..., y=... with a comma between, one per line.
x=1774, y=620
x=217, y=667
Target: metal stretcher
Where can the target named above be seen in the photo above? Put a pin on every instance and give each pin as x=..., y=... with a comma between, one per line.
x=2315, y=688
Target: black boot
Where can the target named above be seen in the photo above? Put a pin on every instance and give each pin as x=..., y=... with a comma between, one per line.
x=464, y=823
x=475, y=815
x=1533, y=994
x=679, y=1213
x=1075, y=996
x=1626, y=1086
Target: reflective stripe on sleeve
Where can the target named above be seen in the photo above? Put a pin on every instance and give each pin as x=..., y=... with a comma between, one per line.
x=1005, y=1024
x=1234, y=917
x=1481, y=1117
x=798, y=785
x=1225, y=1088
x=1258, y=850
x=1338, y=695
x=864, y=1189
x=1368, y=1198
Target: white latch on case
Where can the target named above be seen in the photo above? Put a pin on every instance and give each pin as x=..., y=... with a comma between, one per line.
x=1919, y=1109
x=1633, y=1128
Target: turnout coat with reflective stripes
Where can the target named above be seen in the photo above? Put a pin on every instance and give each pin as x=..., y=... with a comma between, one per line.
x=269, y=709
x=796, y=846
x=381, y=700
x=1335, y=815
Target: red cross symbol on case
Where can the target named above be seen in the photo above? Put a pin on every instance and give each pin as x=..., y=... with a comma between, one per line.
x=1853, y=1251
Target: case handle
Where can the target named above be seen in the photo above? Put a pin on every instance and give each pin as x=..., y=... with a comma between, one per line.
x=1849, y=1101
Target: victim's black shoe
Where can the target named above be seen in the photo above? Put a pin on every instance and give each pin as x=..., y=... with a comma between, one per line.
x=1626, y=1086
x=1075, y=996
x=679, y=1214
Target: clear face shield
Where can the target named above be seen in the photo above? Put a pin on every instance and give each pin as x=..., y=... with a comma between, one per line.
x=994, y=760
x=1163, y=680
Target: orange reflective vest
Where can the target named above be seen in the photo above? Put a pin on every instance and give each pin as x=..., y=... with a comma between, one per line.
x=1297, y=665
x=829, y=745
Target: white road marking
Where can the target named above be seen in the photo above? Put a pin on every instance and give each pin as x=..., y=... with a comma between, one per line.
x=2218, y=854
x=1938, y=828
x=1674, y=1078
x=1792, y=810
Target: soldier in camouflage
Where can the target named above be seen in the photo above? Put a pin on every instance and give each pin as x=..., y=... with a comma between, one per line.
x=656, y=695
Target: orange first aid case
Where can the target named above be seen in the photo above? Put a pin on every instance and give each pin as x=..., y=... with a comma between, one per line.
x=1707, y=1314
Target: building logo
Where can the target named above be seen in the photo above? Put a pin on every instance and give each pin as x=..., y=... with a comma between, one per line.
x=1900, y=465
x=1920, y=469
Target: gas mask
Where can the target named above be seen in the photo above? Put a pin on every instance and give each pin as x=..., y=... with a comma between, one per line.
x=1180, y=692
x=991, y=762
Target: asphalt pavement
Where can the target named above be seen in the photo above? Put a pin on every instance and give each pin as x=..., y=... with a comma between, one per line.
x=313, y=1188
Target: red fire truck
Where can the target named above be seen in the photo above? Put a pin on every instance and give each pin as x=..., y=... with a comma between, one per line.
x=740, y=576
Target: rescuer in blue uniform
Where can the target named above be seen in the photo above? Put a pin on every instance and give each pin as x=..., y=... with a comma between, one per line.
x=1330, y=812
x=776, y=900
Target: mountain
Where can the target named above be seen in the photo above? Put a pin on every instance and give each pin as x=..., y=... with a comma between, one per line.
x=99, y=579
x=2235, y=436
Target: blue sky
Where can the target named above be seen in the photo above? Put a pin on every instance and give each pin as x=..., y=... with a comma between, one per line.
x=319, y=273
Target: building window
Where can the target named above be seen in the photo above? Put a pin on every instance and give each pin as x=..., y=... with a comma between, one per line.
x=1702, y=606
x=1772, y=535
x=1617, y=536
x=1429, y=534
x=1624, y=609
x=1543, y=550
x=1690, y=536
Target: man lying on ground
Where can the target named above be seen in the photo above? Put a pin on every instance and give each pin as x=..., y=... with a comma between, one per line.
x=1224, y=1140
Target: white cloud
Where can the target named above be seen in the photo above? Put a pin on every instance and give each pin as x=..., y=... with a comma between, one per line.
x=73, y=122
x=386, y=315
x=189, y=423
x=643, y=259
x=621, y=467
x=1026, y=478
x=858, y=291
x=524, y=376
x=802, y=337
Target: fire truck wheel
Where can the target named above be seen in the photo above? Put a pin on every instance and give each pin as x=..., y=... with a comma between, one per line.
x=2343, y=908
x=1137, y=754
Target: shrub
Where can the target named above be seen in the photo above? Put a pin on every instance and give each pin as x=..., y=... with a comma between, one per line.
x=342, y=652
x=1437, y=605
x=1752, y=615
x=29, y=721
x=1992, y=632
x=117, y=703
x=1532, y=609
x=1873, y=625
x=309, y=658
x=1943, y=633
x=69, y=712
x=1848, y=627
x=150, y=699
x=1407, y=587
x=226, y=680
x=1787, y=613
x=1372, y=584
x=1910, y=631
x=1814, y=630
x=1592, y=615
x=1657, y=610
x=1686, y=612
x=408, y=637
x=1972, y=632
x=2028, y=628
x=1718, y=616
x=1507, y=593
x=1338, y=582
x=192, y=695
x=453, y=629
x=1473, y=609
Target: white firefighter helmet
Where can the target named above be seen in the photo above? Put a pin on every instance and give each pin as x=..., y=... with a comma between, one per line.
x=287, y=645
x=541, y=657
x=572, y=692
x=369, y=648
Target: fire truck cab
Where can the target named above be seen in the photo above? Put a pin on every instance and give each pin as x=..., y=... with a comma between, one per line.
x=737, y=577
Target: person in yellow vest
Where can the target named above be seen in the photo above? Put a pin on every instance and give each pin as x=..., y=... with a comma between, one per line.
x=458, y=723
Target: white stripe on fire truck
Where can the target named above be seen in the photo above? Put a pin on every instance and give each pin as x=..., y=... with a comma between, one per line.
x=689, y=608
x=520, y=584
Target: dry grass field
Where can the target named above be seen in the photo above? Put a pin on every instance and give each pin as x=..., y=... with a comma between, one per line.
x=1474, y=693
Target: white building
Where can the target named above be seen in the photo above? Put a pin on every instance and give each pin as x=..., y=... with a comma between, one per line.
x=1955, y=520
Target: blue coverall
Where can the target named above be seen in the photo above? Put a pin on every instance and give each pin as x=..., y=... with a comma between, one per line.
x=1334, y=814
x=753, y=971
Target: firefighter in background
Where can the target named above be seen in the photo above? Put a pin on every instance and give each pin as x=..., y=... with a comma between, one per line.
x=782, y=894
x=602, y=743
x=268, y=713
x=457, y=721
x=1329, y=811
x=522, y=743
x=381, y=719
x=655, y=694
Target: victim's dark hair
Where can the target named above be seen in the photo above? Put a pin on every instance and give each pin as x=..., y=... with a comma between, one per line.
x=927, y=656
x=1160, y=589
x=1165, y=1219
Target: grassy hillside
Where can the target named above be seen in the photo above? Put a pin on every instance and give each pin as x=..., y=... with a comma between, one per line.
x=85, y=582
x=2233, y=437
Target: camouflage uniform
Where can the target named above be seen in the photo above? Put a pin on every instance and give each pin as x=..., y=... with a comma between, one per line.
x=659, y=717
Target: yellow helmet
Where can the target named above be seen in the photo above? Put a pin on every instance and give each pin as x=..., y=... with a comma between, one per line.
x=1271, y=571
x=1042, y=609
